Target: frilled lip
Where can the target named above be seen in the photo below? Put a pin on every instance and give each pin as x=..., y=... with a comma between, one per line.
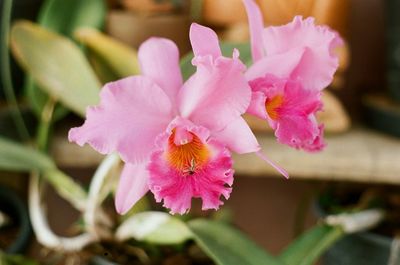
x=290, y=110
x=199, y=168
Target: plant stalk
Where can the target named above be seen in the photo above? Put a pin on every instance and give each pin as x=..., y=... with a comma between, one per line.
x=5, y=71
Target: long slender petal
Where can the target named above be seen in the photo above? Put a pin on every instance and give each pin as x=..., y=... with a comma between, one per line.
x=131, y=113
x=238, y=137
x=159, y=60
x=133, y=185
x=204, y=41
x=269, y=161
x=256, y=24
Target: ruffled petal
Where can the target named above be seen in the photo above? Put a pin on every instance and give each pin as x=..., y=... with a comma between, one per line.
x=299, y=131
x=256, y=24
x=133, y=185
x=290, y=111
x=201, y=168
x=296, y=125
x=238, y=137
x=216, y=94
x=319, y=62
x=280, y=65
x=261, y=87
x=204, y=41
x=318, y=144
x=297, y=100
x=131, y=113
x=159, y=60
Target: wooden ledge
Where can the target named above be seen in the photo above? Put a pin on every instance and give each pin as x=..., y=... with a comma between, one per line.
x=359, y=155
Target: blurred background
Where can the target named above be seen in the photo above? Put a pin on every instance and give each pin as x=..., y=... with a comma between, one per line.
x=360, y=168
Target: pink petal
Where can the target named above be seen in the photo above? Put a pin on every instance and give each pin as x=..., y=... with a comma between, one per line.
x=280, y=65
x=238, y=137
x=297, y=131
x=256, y=24
x=216, y=94
x=257, y=105
x=159, y=60
x=208, y=179
x=133, y=185
x=261, y=87
x=318, y=64
x=204, y=41
x=298, y=100
x=131, y=113
x=318, y=144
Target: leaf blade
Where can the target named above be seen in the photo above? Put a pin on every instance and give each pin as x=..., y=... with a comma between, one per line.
x=227, y=246
x=17, y=157
x=118, y=56
x=63, y=17
x=310, y=245
x=56, y=64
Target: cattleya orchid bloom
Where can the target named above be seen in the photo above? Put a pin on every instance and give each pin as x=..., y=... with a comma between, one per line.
x=176, y=138
x=292, y=64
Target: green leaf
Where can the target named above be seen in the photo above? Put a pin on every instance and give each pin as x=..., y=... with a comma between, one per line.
x=56, y=64
x=228, y=246
x=7, y=259
x=20, y=158
x=311, y=245
x=17, y=157
x=227, y=50
x=187, y=68
x=142, y=205
x=119, y=57
x=243, y=48
x=101, y=68
x=155, y=228
x=66, y=16
x=38, y=100
x=63, y=17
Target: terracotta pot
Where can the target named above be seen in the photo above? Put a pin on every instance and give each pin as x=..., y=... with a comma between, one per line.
x=134, y=29
x=223, y=12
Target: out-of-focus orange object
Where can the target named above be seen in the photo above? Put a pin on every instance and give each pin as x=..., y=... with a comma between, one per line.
x=147, y=6
x=223, y=12
x=278, y=12
x=227, y=13
x=333, y=13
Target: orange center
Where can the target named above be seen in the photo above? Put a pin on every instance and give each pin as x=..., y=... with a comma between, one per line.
x=187, y=157
x=272, y=105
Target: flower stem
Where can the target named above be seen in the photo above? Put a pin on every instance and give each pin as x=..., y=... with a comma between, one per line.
x=5, y=71
x=45, y=125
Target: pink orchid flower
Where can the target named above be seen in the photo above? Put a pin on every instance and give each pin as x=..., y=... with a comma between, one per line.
x=176, y=138
x=292, y=64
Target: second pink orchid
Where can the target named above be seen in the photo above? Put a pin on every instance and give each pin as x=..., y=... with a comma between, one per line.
x=291, y=65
